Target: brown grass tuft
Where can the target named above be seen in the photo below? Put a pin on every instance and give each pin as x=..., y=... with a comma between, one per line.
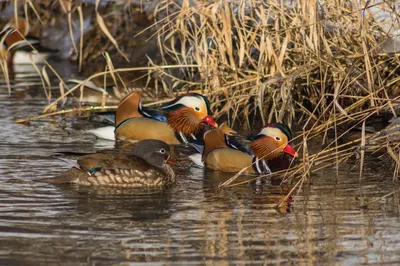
x=319, y=64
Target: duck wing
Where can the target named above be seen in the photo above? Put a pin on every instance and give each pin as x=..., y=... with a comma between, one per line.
x=156, y=114
x=108, y=117
x=240, y=143
x=96, y=162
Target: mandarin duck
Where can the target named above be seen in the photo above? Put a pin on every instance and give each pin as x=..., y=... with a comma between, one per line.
x=268, y=152
x=147, y=165
x=15, y=31
x=173, y=123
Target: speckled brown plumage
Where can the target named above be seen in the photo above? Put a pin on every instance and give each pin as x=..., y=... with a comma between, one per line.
x=126, y=178
x=145, y=166
x=123, y=170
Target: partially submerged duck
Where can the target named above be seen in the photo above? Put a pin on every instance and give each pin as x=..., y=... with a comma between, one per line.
x=173, y=123
x=13, y=39
x=147, y=165
x=268, y=152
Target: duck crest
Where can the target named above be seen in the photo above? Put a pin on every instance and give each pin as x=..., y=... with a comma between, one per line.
x=213, y=139
x=284, y=128
x=129, y=107
x=179, y=102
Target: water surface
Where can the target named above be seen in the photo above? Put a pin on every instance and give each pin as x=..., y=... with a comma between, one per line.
x=190, y=223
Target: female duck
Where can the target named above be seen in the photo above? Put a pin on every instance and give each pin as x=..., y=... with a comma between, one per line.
x=145, y=166
x=176, y=120
x=269, y=151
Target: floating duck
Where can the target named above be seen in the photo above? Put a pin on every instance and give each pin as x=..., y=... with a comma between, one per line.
x=15, y=31
x=173, y=123
x=198, y=144
x=147, y=165
x=268, y=152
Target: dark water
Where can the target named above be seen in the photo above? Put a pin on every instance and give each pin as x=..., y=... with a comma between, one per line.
x=190, y=223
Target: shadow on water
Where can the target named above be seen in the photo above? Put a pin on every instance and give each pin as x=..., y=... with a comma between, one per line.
x=191, y=222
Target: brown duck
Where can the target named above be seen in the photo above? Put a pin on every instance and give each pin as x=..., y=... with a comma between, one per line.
x=269, y=151
x=18, y=28
x=172, y=123
x=147, y=165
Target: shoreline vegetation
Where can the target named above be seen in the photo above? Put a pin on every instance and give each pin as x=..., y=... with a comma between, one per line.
x=330, y=69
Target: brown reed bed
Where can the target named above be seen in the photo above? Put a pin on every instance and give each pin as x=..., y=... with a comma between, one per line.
x=319, y=64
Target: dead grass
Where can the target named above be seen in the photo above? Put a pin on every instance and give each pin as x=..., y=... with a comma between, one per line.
x=317, y=65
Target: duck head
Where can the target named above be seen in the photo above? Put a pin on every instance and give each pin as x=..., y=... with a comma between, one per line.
x=272, y=142
x=188, y=113
x=155, y=152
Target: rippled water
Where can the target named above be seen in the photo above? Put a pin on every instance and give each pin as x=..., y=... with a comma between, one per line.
x=190, y=223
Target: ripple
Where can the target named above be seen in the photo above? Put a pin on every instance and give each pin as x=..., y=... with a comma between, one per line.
x=192, y=222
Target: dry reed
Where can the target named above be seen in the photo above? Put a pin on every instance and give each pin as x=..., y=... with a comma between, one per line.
x=319, y=63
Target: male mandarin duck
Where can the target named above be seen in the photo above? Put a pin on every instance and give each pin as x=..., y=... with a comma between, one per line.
x=147, y=165
x=178, y=119
x=268, y=152
x=15, y=31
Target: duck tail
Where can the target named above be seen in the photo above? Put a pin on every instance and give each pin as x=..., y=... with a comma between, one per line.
x=104, y=132
x=70, y=162
x=197, y=145
x=64, y=178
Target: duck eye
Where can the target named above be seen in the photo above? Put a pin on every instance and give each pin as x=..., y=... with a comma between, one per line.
x=197, y=109
x=162, y=151
x=278, y=138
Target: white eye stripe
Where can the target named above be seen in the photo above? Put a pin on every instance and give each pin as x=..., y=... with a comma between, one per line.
x=191, y=101
x=271, y=131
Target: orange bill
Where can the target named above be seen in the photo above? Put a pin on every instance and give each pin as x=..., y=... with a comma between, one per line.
x=171, y=161
x=210, y=120
x=289, y=150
